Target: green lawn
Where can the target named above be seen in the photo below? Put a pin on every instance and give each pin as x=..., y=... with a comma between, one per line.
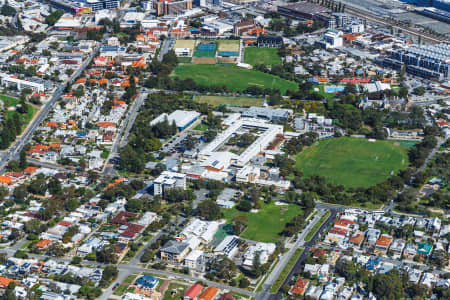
x=181, y=289
x=184, y=60
x=257, y=56
x=291, y=263
x=316, y=226
x=236, y=79
x=130, y=279
x=11, y=101
x=238, y=101
x=353, y=162
x=120, y=290
x=267, y=224
x=201, y=127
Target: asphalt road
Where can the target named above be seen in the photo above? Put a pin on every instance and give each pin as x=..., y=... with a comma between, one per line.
x=296, y=269
x=125, y=128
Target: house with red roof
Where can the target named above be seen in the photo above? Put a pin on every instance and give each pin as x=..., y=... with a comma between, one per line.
x=299, y=288
x=193, y=292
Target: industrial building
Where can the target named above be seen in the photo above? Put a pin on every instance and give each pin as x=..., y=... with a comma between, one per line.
x=168, y=180
x=271, y=114
x=303, y=11
x=182, y=118
x=86, y=6
x=435, y=13
x=430, y=61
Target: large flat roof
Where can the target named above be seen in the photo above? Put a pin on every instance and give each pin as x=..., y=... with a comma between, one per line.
x=306, y=7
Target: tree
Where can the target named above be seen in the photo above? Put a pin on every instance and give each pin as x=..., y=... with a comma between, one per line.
x=389, y=285
x=134, y=205
x=56, y=249
x=170, y=58
x=420, y=91
x=52, y=18
x=244, y=283
x=7, y=10
x=147, y=256
x=244, y=205
x=17, y=123
x=23, y=106
x=209, y=210
x=109, y=273
x=23, y=160
x=9, y=293
x=107, y=255
x=239, y=223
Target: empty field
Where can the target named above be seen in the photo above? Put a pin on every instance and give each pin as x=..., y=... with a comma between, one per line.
x=267, y=224
x=234, y=78
x=229, y=45
x=257, y=56
x=184, y=44
x=220, y=100
x=353, y=162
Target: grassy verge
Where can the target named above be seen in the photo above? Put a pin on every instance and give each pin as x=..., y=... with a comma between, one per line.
x=236, y=101
x=201, y=127
x=316, y=226
x=120, y=290
x=130, y=279
x=291, y=263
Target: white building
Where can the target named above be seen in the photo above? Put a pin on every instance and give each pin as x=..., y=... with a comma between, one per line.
x=20, y=84
x=192, y=259
x=182, y=118
x=333, y=39
x=204, y=230
x=270, y=131
x=168, y=180
x=263, y=249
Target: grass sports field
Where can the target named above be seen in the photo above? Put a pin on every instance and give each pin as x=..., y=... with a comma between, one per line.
x=257, y=56
x=353, y=162
x=239, y=101
x=229, y=45
x=236, y=79
x=267, y=223
x=184, y=44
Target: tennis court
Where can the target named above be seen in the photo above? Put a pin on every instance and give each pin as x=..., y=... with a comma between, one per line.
x=200, y=53
x=228, y=53
x=229, y=45
x=207, y=47
x=184, y=44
